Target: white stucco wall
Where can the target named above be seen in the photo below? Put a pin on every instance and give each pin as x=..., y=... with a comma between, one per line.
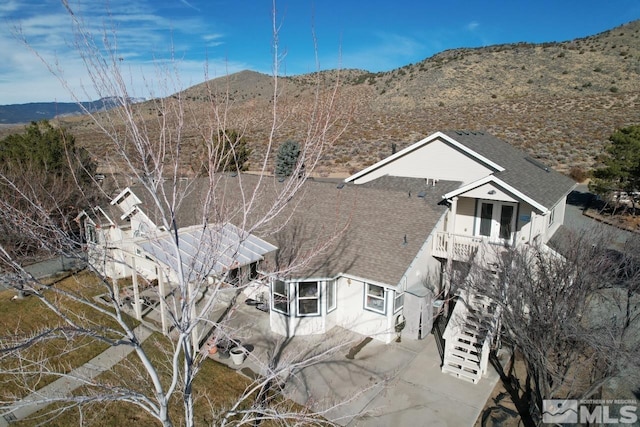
x=353, y=316
x=425, y=270
x=465, y=218
x=558, y=219
x=437, y=159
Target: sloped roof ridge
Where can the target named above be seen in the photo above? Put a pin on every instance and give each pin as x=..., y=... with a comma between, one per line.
x=530, y=176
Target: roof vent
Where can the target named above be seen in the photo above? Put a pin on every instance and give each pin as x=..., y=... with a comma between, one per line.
x=422, y=194
x=537, y=164
x=340, y=186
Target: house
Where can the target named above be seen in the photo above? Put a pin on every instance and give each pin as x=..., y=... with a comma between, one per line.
x=382, y=241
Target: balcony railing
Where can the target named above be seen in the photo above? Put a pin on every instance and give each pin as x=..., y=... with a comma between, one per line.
x=462, y=248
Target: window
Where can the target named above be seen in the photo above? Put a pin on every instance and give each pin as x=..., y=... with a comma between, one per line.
x=496, y=220
x=506, y=215
x=374, y=298
x=92, y=236
x=552, y=216
x=233, y=277
x=253, y=271
x=331, y=295
x=308, y=298
x=486, y=216
x=123, y=197
x=280, y=296
x=398, y=301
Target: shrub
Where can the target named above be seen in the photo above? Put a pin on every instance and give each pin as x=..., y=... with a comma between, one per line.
x=578, y=174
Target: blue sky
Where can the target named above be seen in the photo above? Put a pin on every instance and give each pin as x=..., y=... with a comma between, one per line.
x=225, y=36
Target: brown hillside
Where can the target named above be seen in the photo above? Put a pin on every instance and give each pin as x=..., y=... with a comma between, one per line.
x=560, y=101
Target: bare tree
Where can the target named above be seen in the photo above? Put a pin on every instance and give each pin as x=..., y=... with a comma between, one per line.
x=570, y=316
x=154, y=151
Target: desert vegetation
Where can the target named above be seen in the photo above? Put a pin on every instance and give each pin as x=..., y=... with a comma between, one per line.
x=558, y=101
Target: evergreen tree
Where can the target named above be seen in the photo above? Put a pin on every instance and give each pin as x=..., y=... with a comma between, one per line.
x=287, y=158
x=621, y=171
x=42, y=165
x=229, y=152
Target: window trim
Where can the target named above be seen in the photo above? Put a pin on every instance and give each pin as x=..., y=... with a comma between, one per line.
x=299, y=298
x=398, y=295
x=495, y=220
x=368, y=295
x=285, y=297
x=331, y=305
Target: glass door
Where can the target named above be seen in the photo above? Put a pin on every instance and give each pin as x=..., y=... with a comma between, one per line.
x=496, y=220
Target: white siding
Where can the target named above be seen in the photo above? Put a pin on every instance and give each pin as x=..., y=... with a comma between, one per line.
x=465, y=218
x=436, y=159
x=353, y=316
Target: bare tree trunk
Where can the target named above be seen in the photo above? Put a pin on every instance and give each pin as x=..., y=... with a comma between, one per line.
x=150, y=150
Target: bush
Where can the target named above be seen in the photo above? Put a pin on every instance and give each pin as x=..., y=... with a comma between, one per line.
x=578, y=174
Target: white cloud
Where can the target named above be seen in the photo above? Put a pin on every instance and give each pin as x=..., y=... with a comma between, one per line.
x=471, y=26
x=144, y=39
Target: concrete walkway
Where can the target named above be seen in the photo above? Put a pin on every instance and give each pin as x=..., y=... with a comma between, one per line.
x=66, y=385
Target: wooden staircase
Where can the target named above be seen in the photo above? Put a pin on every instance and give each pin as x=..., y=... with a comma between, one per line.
x=468, y=337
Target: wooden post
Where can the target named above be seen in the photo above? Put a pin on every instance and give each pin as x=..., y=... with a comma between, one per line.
x=137, y=302
x=162, y=294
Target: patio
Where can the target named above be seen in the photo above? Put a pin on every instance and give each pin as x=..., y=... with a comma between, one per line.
x=379, y=385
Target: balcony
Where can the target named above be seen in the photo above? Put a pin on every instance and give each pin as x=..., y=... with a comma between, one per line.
x=462, y=248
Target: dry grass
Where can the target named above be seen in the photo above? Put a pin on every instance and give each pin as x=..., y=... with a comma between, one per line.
x=23, y=318
x=216, y=388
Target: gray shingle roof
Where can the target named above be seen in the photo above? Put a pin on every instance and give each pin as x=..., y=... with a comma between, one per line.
x=372, y=231
x=541, y=183
x=387, y=225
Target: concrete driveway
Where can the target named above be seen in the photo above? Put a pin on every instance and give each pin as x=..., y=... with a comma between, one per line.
x=397, y=384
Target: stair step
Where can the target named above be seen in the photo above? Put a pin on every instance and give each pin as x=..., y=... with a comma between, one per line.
x=462, y=362
x=470, y=337
x=471, y=325
x=472, y=356
x=461, y=373
x=465, y=346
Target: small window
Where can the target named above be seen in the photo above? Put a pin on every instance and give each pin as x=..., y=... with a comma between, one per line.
x=253, y=271
x=552, y=216
x=123, y=197
x=280, y=296
x=92, y=235
x=398, y=301
x=233, y=277
x=308, y=298
x=331, y=295
x=375, y=298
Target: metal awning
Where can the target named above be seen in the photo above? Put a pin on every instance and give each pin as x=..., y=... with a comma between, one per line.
x=207, y=251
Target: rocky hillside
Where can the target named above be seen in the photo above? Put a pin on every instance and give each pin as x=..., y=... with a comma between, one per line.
x=560, y=101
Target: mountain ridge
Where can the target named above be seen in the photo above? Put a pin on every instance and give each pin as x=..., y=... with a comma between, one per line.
x=559, y=101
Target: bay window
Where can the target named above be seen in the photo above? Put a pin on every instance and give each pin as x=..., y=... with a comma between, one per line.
x=308, y=296
x=280, y=296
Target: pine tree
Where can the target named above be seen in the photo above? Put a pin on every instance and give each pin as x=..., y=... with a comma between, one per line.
x=287, y=158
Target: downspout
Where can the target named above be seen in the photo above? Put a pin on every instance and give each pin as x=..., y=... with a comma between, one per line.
x=450, y=234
